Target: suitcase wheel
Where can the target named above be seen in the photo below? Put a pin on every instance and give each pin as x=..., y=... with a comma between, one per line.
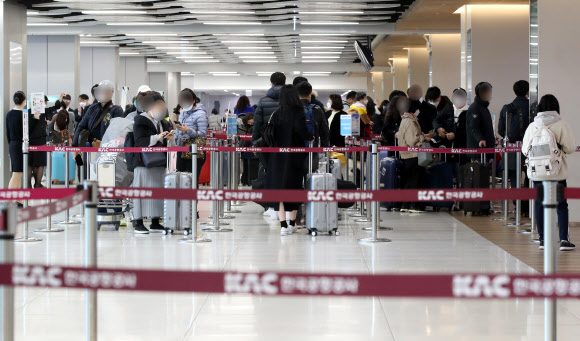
x=117, y=226
x=313, y=233
x=336, y=233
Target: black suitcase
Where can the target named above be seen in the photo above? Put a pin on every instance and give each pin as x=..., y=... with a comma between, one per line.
x=345, y=186
x=440, y=176
x=475, y=175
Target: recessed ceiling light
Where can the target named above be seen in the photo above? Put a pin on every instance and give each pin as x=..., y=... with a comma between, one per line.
x=317, y=74
x=250, y=47
x=334, y=12
x=258, y=57
x=321, y=52
x=225, y=90
x=244, y=41
x=165, y=41
x=221, y=12
x=153, y=61
x=268, y=72
x=135, y=23
x=296, y=72
x=32, y=13
x=338, y=23
x=227, y=75
x=309, y=72
x=260, y=61
x=323, y=47
x=186, y=52
x=221, y=72
x=238, y=23
x=95, y=42
x=113, y=12
x=177, y=47
x=253, y=52
x=319, y=57
x=46, y=24
x=128, y=53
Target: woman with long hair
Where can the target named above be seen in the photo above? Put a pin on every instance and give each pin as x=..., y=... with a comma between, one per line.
x=286, y=170
x=392, y=121
x=243, y=106
x=336, y=110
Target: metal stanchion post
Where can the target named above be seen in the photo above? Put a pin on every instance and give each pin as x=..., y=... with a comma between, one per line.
x=49, y=227
x=214, y=225
x=8, y=215
x=354, y=168
x=25, y=238
x=237, y=160
x=194, y=237
x=533, y=216
x=91, y=257
x=82, y=181
x=505, y=185
x=67, y=220
x=346, y=175
x=375, y=204
x=550, y=204
x=366, y=217
x=233, y=178
x=221, y=204
x=518, y=222
x=360, y=207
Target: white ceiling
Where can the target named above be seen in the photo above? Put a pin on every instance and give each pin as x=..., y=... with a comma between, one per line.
x=221, y=31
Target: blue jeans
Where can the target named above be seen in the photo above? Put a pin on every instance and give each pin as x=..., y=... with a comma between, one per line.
x=562, y=211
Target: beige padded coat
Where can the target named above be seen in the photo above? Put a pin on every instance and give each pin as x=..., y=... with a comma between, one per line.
x=409, y=135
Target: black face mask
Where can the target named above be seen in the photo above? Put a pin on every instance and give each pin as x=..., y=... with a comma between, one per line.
x=66, y=103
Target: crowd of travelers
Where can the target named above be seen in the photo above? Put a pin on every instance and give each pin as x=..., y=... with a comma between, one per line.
x=407, y=118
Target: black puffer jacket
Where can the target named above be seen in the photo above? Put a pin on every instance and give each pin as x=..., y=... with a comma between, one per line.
x=479, y=125
x=266, y=107
x=519, y=105
x=427, y=114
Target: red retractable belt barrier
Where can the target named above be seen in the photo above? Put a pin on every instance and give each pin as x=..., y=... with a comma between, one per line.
x=410, y=195
x=36, y=193
x=474, y=286
x=41, y=211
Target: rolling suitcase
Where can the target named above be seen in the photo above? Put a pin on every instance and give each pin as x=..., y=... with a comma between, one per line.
x=475, y=175
x=391, y=178
x=321, y=217
x=109, y=211
x=177, y=213
x=440, y=176
x=58, y=170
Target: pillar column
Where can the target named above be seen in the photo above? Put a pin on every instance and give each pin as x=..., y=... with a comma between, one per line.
x=370, y=85
x=13, y=60
x=401, y=74
x=558, y=69
x=378, y=86
x=132, y=74
x=419, y=67
x=100, y=63
x=494, y=48
x=54, y=65
x=446, y=62
x=387, y=84
x=167, y=82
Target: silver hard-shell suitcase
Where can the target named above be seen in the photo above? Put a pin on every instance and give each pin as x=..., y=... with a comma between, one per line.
x=321, y=217
x=177, y=213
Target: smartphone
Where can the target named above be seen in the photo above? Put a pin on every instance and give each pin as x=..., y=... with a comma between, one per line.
x=171, y=132
x=177, y=123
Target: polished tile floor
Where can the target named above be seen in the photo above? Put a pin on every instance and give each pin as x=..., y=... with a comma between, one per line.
x=421, y=243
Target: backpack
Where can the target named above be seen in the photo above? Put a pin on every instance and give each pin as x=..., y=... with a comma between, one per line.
x=544, y=155
x=132, y=158
x=515, y=128
x=311, y=122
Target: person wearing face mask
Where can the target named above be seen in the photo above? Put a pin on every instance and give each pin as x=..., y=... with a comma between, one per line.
x=392, y=122
x=426, y=111
x=433, y=96
x=361, y=108
x=192, y=128
x=410, y=135
x=95, y=122
x=150, y=130
x=82, y=109
x=65, y=105
x=480, y=132
x=334, y=114
x=141, y=93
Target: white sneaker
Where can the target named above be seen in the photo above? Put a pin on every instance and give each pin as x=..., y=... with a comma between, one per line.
x=286, y=231
x=268, y=211
x=273, y=215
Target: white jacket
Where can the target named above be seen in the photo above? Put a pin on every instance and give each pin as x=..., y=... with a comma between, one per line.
x=562, y=133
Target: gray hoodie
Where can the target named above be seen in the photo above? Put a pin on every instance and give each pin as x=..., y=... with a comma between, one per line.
x=562, y=133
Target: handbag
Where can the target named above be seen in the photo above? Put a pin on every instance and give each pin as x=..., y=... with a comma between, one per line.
x=152, y=160
x=200, y=141
x=186, y=143
x=86, y=133
x=269, y=132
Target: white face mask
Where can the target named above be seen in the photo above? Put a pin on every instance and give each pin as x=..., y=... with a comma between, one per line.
x=158, y=115
x=366, y=101
x=83, y=104
x=328, y=104
x=435, y=104
x=188, y=108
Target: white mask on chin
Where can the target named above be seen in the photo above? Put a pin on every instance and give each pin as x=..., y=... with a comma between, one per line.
x=158, y=115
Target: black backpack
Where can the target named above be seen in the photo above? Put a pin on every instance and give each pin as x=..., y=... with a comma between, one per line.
x=515, y=129
x=132, y=158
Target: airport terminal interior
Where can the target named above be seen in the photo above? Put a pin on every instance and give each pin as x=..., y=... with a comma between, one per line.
x=433, y=103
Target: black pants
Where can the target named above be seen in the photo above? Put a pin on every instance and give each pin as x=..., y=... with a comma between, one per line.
x=185, y=165
x=415, y=174
x=561, y=210
x=513, y=178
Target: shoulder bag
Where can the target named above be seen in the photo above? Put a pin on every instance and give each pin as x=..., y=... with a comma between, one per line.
x=86, y=133
x=269, y=132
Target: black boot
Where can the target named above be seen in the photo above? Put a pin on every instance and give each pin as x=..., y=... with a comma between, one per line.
x=139, y=227
x=156, y=226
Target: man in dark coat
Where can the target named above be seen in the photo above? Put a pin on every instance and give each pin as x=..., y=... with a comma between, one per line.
x=267, y=105
x=427, y=112
x=480, y=132
x=313, y=99
x=104, y=95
